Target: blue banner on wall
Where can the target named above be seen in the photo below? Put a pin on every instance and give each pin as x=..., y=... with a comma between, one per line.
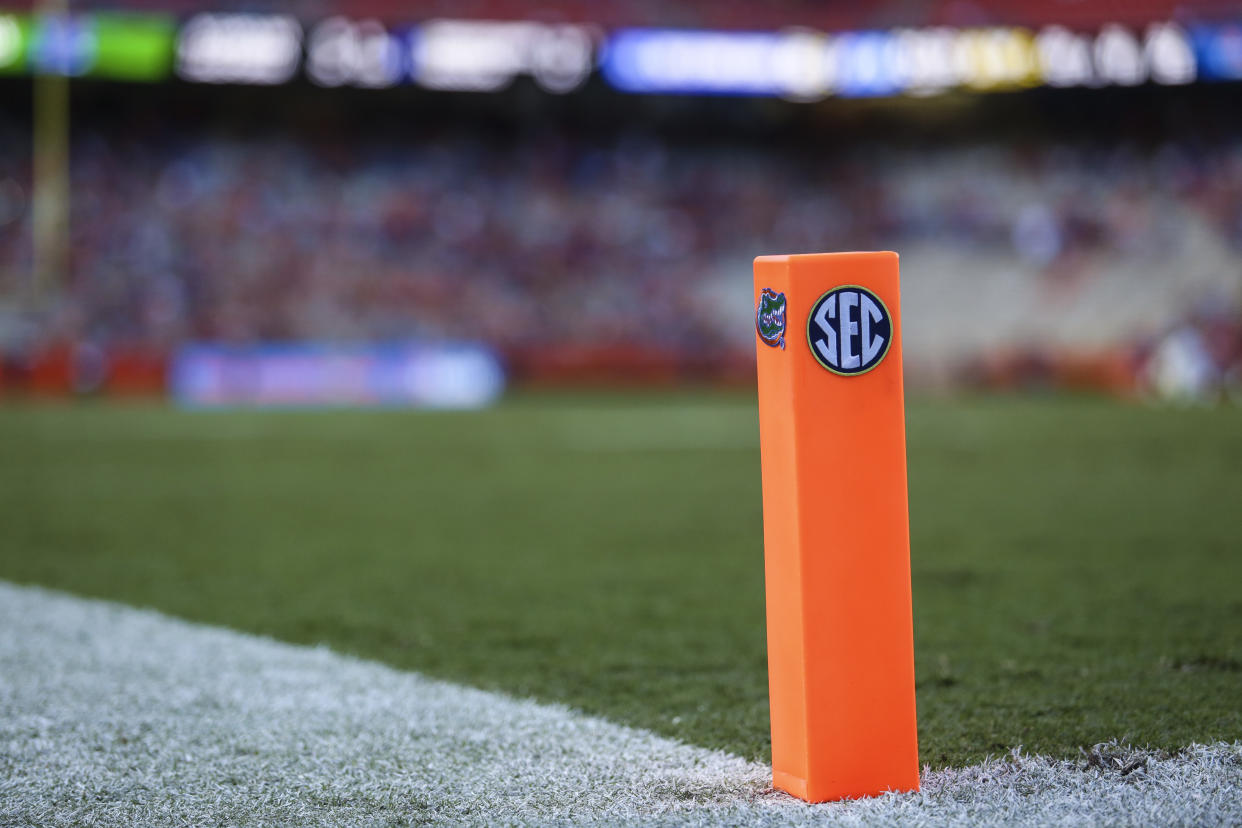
x=412, y=375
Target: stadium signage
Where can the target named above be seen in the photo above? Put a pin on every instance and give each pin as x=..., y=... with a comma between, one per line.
x=487, y=55
x=343, y=52
x=239, y=48
x=113, y=45
x=849, y=330
x=804, y=65
x=459, y=375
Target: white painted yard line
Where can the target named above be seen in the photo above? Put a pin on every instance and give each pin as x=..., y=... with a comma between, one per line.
x=116, y=716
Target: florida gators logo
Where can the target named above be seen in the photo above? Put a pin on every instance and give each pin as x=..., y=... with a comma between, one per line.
x=770, y=318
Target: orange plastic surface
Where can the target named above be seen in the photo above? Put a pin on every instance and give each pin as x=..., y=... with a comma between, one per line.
x=836, y=546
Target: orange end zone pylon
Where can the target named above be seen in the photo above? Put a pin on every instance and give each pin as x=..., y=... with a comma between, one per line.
x=836, y=525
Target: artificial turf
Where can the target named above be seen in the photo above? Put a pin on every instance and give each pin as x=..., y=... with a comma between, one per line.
x=1077, y=563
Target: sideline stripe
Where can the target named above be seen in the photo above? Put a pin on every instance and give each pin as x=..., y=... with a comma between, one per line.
x=116, y=716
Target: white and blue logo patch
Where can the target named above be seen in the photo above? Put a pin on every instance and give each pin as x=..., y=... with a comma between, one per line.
x=849, y=330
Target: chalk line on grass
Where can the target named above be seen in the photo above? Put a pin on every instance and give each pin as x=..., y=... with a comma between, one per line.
x=116, y=716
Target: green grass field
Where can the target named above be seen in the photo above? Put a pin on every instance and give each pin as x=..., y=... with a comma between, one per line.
x=1077, y=563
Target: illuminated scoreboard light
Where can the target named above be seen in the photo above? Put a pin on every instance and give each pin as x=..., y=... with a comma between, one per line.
x=112, y=45
x=133, y=47
x=262, y=49
x=454, y=55
x=343, y=52
x=802, y=65
x=1218, y=51
x=484, y=56
x=14, y=43
x=795, y=64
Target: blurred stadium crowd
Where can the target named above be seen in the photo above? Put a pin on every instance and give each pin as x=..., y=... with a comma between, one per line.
x=550, y=241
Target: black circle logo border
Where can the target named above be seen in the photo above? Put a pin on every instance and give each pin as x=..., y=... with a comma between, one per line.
x=810, y=318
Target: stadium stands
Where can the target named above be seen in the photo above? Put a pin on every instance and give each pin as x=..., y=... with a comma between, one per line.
x=557, y=241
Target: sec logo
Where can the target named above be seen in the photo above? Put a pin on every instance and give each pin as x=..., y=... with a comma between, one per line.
x=849, y=330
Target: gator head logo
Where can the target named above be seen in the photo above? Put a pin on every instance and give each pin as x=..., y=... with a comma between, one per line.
x=770, y=317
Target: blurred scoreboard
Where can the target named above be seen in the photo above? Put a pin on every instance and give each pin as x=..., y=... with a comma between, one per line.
x=474, y=55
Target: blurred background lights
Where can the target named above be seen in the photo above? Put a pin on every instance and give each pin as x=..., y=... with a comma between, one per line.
x=1065, y=57
x=11, y=41
x=996, y=58
x=485, y=56
x=562, y=57
x=802, y=66
x=63, y=45
x=342, y=52
x=1119, y=58
x=1169, y=54
x=239, y=48
x=640, y=60
x=926, y=55
x=796, y=64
